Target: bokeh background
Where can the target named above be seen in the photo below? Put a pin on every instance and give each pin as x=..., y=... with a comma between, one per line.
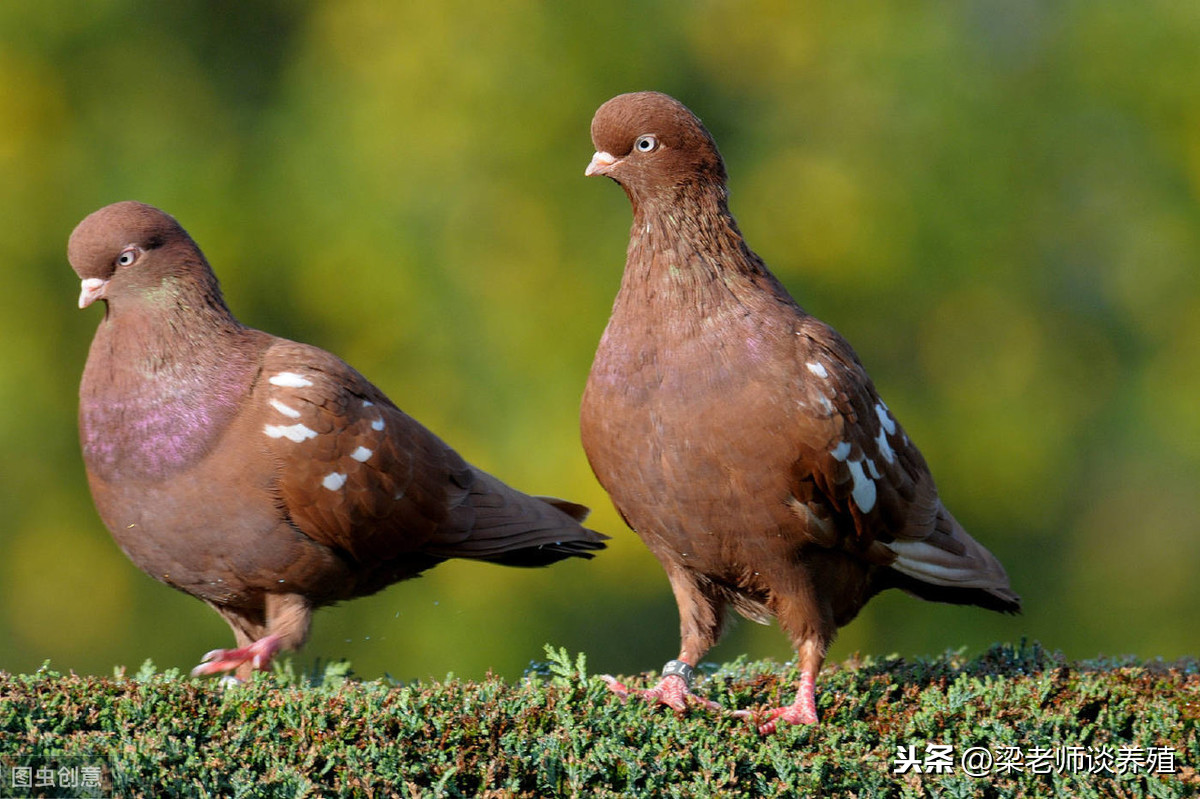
x=996, y=201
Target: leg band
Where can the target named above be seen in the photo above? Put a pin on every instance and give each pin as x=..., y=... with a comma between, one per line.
x=678, y=668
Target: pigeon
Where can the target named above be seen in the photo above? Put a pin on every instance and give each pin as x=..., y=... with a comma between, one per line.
x=264, y=476
x=740, y=437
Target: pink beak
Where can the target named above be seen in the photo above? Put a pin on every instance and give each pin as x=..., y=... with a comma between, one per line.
x=90, y=290
x=601, y=163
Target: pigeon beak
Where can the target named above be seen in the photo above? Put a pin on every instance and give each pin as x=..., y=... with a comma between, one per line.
x=601, y=163
x=90, y=290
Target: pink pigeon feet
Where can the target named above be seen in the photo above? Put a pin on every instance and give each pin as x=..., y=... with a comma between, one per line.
x=257, y=655
x=802, y=711
x=673, y=690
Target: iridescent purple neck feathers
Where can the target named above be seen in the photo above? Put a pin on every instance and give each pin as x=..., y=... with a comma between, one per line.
x=150, y=407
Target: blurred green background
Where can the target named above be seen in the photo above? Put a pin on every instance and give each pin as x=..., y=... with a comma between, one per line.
x=995, y=201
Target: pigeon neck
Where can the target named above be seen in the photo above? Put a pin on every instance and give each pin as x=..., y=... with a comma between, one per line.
x=164, y=378
x=689, y=246
x=176, y=328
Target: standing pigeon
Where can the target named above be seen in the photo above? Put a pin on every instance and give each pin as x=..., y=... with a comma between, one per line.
x=264, y=476
x=740, y=437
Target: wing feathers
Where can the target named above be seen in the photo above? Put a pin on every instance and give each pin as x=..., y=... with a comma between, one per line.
x=365, y=478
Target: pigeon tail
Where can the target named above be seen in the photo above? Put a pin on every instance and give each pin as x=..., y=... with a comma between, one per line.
x=951, y=566
x=515, y=529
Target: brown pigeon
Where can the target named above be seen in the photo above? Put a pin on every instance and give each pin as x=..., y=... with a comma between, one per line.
x=740, y=437
x=264, y=476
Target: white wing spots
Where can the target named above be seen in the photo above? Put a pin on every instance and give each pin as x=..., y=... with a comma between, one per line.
x=290, y=380
x=863, y=490
x=287, y=411
x=885, y=449
x=889, y=429
x=377, y=425
x=885, y=418
x=361, y=454
x=334, y=480
x=294, y=432
x=817, y=368
x=864, y=487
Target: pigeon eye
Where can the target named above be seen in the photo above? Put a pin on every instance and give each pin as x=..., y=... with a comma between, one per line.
x=646, y=143
x=127, y=256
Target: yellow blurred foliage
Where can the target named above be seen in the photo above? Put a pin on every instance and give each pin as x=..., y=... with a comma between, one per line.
x=998, y=204
x=65, y=587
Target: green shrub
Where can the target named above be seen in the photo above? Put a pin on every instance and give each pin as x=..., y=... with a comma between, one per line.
x=559, y=732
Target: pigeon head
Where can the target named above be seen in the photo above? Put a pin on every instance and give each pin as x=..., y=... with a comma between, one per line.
x=129, y=249
x=651, y=144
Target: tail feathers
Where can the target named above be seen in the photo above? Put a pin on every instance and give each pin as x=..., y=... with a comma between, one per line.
x=515, y=529
x=573, y=509
x=950, y=566
x=545, y=554
x=999, y=600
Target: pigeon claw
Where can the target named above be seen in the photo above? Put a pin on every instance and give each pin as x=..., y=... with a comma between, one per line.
x=768, y=721
x=257, y=655
x=617, y=687
x=671, y=691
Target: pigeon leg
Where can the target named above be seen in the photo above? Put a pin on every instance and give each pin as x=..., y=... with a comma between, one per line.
x=804, y=709
x=281, y=623
x=701, y=615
